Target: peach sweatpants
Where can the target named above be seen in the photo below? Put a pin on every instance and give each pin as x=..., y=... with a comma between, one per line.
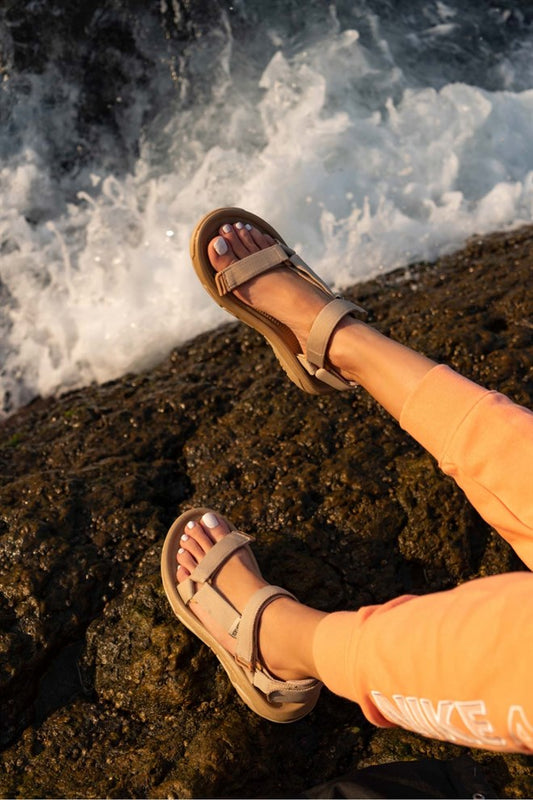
x=454, y=665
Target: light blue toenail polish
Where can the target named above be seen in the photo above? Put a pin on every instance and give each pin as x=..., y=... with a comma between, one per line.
x=210, y=520
x=248, y=226
x=221, y=246
x=226, y=228
x=239, y=225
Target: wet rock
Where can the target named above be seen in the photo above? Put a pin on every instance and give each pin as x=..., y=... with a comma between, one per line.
x=103, y=693
x=115, y=65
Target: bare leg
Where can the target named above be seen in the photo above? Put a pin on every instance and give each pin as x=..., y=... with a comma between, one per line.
x=387, y=369
x=451, y=665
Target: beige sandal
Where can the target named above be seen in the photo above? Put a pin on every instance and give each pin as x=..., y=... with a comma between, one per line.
x=273, y=699
x=308, y=372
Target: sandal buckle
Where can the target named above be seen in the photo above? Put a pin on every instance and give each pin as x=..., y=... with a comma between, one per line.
x=243, y=662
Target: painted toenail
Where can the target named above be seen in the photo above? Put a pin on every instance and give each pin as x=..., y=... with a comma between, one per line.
x=180, y=551
x=190, y=524
x=239, y=226
x=184, y=537
x=210, y=520
x=248, y=226
x=220, y=246
x=226, y=228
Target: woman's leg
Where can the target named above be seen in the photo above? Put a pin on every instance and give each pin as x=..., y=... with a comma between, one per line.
x=387, y=369
x=479, y=437
x=453, y=665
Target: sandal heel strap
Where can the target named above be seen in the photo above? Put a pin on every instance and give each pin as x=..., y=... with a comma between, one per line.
x=276, y=690
x=247, y=654
x=323, y=327
x=318, y=341
x=247, y=650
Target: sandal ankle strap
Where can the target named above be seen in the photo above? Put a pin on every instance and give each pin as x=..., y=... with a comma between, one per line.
x=247, y=653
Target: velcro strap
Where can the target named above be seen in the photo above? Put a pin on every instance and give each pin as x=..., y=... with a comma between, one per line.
x=247, y=268
x=322, y=329
x=328, y=376
x=186, y=590
x=218, y=608
x=246, y=652
x=255, y=264
x=218, y=555
x=286, y=691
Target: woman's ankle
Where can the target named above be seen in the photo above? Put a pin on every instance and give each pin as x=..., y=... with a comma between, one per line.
x=347, y=348
x=388, y=370
x=286, y=638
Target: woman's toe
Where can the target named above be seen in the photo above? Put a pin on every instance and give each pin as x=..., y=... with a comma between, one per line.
x=194, y=530
x=214, y=525
x=262, y=240
x=220, y=253
x=244, y=232
x=196, y=540
x=236, y=241
x=193, y=546
x=231, y=235
x=187, y=562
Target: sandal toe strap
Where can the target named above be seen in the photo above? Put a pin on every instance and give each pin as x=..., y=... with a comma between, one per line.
x=247, y=268
x=234, y=275
x=211, y=563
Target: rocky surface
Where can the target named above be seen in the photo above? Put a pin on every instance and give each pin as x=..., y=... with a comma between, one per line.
x=103, y=693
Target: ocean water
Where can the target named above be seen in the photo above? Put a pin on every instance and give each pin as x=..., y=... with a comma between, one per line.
x=371, y=134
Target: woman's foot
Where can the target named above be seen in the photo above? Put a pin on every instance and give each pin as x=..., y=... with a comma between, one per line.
x=281, y=293
x=389, y=371
x=237, y=581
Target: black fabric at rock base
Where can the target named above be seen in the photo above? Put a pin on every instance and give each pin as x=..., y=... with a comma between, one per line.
x=459, y=778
